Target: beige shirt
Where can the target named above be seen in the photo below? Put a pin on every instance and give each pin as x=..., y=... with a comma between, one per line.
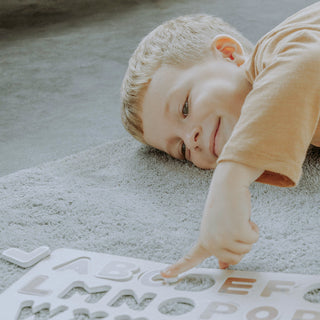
x=280, y=116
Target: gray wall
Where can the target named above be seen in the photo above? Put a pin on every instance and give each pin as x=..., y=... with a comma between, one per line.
x=15, y=13
x=43, y=5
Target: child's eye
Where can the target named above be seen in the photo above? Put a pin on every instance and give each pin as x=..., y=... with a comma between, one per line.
x=183, y=150
x=185, y=109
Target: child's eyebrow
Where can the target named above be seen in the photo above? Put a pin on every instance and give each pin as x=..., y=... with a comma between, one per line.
x=171, y=92
x=170, y=150
x=168, y=147
x=167, y=102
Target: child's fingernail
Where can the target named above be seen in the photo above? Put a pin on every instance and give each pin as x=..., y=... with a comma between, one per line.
x=171, y=280
x=223, y=265
x=166, y=272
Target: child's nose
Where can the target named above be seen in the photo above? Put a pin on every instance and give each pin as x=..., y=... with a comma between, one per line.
x=193, y=138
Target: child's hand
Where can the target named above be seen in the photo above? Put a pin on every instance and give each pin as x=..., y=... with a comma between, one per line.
x=226, y=230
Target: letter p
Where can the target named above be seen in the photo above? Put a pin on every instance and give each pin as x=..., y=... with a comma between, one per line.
x=217, y=307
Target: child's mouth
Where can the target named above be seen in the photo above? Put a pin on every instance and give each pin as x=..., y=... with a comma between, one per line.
x=212, y=146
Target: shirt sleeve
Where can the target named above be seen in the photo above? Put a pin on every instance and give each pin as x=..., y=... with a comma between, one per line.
x=279, y=116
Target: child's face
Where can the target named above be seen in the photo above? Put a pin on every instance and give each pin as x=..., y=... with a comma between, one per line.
x=190, y=113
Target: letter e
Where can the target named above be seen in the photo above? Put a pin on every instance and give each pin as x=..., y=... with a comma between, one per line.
x=230, y=283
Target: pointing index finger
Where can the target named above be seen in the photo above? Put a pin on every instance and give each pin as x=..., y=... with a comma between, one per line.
x=195, y=256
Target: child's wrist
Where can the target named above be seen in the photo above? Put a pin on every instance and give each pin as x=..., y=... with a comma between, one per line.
x=237, y=173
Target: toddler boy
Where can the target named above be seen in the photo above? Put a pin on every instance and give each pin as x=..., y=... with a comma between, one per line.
x=196, y=89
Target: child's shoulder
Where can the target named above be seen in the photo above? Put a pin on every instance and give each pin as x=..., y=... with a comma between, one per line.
x=295, y=39
x=305, y=19
x=307, y=16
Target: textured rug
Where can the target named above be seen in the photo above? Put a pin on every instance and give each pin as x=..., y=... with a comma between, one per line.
x=126, y=199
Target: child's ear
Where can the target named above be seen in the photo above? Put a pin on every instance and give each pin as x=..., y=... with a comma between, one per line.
x=229, y=48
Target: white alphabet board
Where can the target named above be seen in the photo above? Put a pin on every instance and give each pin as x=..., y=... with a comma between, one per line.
x=70, y=283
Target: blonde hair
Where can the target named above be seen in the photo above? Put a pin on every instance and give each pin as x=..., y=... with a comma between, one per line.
x=180, y=41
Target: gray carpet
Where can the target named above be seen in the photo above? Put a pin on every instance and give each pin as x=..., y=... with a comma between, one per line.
x=126, y=199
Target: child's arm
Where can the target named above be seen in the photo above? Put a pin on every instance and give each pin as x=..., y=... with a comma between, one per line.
x=226, y=230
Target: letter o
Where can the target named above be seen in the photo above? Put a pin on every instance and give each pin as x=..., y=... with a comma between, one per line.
x=268, y=313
